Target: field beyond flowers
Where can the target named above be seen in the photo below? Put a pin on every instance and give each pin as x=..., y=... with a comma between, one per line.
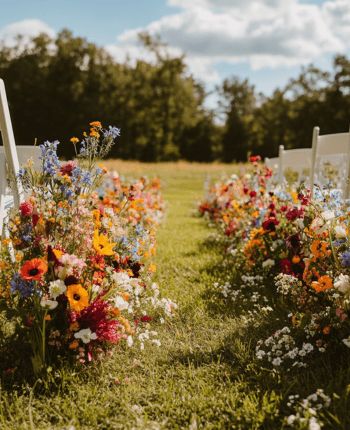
x=205, y=373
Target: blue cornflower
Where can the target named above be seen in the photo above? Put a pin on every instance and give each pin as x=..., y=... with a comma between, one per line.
x=345, y=259
x=86, y=178
x=49, y=157
x=113, y=132
x=25, y=288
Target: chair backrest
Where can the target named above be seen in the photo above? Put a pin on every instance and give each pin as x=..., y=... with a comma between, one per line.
x=8, y=140
x=332, y=149
x=296, y=163
x=272, y=163
x=3, y=186
x=24, y=153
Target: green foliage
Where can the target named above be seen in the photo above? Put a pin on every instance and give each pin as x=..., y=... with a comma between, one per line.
x=55, y=86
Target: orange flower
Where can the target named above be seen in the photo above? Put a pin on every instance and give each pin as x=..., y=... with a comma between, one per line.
x=94, y=133
x=319, y=249
x=322, y=284
x=33, y=270
x=78, y=297
x=96, y=124
x=326, y=330
x=296, y=259
x=74, y=344
x=74, y=140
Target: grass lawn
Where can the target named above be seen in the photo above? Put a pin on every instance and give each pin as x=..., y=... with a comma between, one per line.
x=203, y=376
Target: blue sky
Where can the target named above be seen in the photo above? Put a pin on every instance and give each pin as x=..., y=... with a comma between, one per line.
x=265, y=40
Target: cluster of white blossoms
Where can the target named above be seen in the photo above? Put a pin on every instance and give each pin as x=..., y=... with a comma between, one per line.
x=281, y=349
x=287, y=284
x=248, y=294
x=307, y=411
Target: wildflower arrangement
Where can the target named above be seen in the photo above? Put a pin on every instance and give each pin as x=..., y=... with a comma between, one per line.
x=75, y=269
x=290, y=260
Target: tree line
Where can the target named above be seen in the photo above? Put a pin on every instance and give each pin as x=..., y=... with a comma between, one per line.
x=57, y=85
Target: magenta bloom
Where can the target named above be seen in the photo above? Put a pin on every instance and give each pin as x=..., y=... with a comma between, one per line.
x=97, y=317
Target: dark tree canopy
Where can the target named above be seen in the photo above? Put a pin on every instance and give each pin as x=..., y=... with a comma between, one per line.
x=56, y=86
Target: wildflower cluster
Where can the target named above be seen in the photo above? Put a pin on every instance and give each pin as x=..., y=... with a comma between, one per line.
x=288, y=254
x=76, y=268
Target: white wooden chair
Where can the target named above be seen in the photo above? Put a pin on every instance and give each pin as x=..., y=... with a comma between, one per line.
x=6, y=199
x=334, y=150
x=272, y=163
x=9, y=165
x=25, y=153
x=297, y=161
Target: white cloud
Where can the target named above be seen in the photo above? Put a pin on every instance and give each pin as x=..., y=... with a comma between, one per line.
x=27, y=28
x=263, y=33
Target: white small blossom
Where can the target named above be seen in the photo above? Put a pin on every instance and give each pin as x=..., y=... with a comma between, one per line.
x=120, y=303
x=268, y=263
x=328, y=215
x=340, y=232
x=86, y=335
x=346, y=342
x=48, y=304
x=56, y=288
x=342, y=284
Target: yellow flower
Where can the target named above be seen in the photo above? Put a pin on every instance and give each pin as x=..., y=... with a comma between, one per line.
x=74, y=140
x=78, y=297
x=57, y=253
x=152, y=268
x=102, y=245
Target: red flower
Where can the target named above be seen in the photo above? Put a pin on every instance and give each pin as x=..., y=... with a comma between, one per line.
x=252, y=194
x=35, y=219
x=294, y=213
x=270, y=224
x=286, y=266
x=68, y=167
x=26, y=208
x=254, y=158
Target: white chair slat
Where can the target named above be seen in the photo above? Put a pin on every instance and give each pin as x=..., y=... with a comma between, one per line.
x=9, y=144
x=332, y=149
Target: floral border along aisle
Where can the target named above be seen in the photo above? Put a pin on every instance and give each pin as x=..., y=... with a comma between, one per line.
x=288, y=272
x=75, y=269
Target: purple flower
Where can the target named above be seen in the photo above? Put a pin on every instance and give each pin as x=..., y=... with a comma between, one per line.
x=345, y=259
x=25, y=288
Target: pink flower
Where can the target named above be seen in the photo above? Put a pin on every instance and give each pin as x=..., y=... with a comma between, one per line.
x=67, y=168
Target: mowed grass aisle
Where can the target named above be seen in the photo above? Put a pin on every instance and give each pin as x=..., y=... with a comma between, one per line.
x=200, y=377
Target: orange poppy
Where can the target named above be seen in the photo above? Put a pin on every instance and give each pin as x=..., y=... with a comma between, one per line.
x=78, y=297
x=322, y=284
x=33, y=270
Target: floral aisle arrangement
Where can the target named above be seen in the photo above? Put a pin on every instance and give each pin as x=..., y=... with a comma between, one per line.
x=75, y=269
x=290, y=260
